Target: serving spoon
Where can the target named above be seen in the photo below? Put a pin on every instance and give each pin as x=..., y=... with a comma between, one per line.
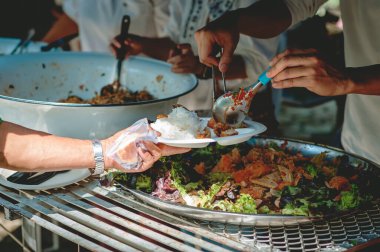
x=231, y=108
x=120, y=55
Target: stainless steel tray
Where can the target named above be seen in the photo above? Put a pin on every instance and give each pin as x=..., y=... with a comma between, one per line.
x=306, y=148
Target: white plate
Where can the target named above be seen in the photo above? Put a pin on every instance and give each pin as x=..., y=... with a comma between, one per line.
x=59, y=180
x=253, y=128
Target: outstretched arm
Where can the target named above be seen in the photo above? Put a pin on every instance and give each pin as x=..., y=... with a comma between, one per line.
x=64, y=26
x=23, y=149
x=157, y=48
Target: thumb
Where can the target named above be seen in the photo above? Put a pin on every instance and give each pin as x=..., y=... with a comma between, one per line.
x=226, y=58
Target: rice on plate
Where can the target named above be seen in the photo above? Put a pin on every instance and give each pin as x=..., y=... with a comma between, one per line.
x=181, y=124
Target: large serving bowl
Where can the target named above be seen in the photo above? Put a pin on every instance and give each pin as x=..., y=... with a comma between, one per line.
x=31, y=85
x=7, y=45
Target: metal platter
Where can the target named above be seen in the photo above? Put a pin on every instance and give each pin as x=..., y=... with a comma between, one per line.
x=306, y=148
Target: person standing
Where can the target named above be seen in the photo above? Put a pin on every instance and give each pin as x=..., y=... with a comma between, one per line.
x=99, y=21
x=360, y=79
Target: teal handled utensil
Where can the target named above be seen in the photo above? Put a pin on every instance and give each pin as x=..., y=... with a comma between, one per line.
x=232, y=108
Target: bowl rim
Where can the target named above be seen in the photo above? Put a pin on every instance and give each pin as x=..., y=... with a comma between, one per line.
x=91, y=54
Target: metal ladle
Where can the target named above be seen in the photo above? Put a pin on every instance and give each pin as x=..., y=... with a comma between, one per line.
x=232, y=108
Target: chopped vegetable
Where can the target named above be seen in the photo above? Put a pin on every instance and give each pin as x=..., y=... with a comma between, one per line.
x=349, y=199
x=144, y=183
x=236, y=178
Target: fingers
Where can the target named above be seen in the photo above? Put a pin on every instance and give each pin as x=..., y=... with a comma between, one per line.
x=169, y=150
x=149, y=153
x=226, y=58
x=295, y=82
x=205, y=48
x=176, y=59
x=115, y=43
x=292, y=61
x=295, y=72
x=185, y=48
x=292, y=52
x=172, y=53
x=182, y=70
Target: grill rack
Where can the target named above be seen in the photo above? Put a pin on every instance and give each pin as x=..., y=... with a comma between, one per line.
x=337, y=234
x=88, y=213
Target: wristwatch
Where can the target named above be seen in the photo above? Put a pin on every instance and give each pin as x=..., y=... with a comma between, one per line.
x=98, y=157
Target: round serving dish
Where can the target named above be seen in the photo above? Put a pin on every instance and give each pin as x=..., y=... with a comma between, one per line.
x=31, y=85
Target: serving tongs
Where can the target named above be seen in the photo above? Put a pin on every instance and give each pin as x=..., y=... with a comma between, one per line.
x=120, y=55
x=32, y=178
x=216, y=89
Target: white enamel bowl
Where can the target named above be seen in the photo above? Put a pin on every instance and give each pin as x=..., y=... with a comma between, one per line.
x=30, y=85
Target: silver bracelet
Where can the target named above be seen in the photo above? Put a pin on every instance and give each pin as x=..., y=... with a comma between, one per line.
x=98, y=157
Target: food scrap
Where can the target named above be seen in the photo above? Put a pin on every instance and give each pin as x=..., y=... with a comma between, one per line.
x=268, y=179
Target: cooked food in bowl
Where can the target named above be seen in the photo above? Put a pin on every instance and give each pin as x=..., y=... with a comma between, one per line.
x=122, y=96
x=111, y=95
x=270, y=179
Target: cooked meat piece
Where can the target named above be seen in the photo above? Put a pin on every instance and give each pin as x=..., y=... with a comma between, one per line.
x=257, y=192
x=225, y=164
x=269, y=181
x=254, y=170
x=285, y=174
x=340, y=183
x=200, y=168
x=205, y=134
x=160, y=116
x=228, y=132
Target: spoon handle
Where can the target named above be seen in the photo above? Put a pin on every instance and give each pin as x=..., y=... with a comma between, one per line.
x=263, y=80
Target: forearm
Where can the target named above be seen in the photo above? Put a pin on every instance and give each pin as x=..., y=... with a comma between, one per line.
x=62, y=27
x=23, y=149
x=364, y=80
x=157, y=48
x=263, y=19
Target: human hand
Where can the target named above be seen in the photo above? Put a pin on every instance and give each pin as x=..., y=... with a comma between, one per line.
x=133, y=43
x=222, y=32
x=304, y=68
x=183, y=60
x=134, y=149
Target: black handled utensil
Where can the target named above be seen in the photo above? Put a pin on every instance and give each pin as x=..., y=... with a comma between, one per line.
x=32, y=178
x=120, y=55
x=59, y=42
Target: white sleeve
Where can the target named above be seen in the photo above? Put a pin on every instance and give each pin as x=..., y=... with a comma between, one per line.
x=172, y=27
x=70, y=7
x=161, y=16
x=303, y=9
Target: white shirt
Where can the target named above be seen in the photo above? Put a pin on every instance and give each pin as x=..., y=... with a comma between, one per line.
x=99, y=21
x=361, y=19
x=186, y=17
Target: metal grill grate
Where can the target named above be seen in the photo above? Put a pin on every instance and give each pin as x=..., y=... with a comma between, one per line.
x=338, y=234
x=105, y=220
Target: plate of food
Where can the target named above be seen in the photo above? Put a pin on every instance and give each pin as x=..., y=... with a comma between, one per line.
x=183, y=128
x=265, y=181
